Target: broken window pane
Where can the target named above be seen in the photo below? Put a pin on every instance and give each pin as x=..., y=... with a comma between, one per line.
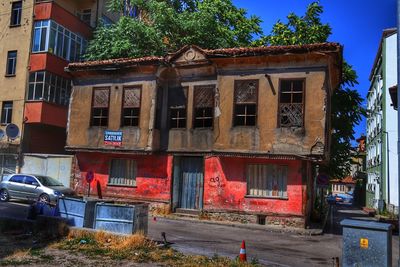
x=291, y=106
x=246, y=92
x=177, y=99
x=203, y=106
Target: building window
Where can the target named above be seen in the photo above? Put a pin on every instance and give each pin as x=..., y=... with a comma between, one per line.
x=53, y=38
x=268, y=180
x=203, y=106
x=6, y=112
x=245, y=113
x=101, y=97
x=46, y=86
x=16, y=13
x=11, y=63
x=291, y=103
x=177, y=99
x=131, y=106
x=85, y=16
x=123, y=172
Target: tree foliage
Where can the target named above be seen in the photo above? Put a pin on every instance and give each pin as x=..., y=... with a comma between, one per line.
x=346, y=111
x=167, y=25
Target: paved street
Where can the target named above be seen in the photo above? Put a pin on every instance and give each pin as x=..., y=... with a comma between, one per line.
x=269, y=248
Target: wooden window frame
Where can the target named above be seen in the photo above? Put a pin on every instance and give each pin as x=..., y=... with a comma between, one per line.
x=174, y=108
x=267, y=165
x=213, y=86
x=92, y=108
x=140, y=87
x=18, y=11
x=14, y=63
x=122, y=184
x=303, y=80
x=236, y=82
x=5, y=112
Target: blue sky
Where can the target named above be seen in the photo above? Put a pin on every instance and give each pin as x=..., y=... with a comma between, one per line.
x=356, y=24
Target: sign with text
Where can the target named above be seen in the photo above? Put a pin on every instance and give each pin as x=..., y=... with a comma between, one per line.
x=113, y=138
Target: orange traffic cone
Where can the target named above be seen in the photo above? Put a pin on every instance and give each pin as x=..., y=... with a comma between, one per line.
x=242, y=255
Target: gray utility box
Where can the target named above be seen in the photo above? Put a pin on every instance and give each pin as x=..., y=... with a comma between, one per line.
x=366, y=243
x=78, y=212
x=120, y=218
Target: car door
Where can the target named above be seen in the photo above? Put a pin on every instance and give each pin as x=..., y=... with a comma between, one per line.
x=16, y=186
x=32, y=187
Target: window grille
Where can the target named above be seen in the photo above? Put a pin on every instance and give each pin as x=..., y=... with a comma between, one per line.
x=245, y=102
x=291, y=103
x=267, y=180
x=101, y=97
x=203, y=106
x=131, y=106
x=123, y=172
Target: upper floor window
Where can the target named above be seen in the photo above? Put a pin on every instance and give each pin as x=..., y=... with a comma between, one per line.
x=177, y=99
x=51, y=37
x=131, y=106
x=100, y=106
x=203, y=106
x=6, y=112
x=16, y=13
x=85, y=16
x=47, y=86
x=245, y=103
x=291, y=103
x=11, y=63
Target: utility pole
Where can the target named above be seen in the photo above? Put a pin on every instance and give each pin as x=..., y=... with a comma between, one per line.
x=398, y=101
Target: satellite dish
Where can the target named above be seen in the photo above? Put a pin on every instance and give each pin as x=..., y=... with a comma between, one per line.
x=1, y=134
x=12, y=131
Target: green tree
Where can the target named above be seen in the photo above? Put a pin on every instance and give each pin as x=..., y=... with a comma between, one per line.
x=167, y=25
x=347, y=108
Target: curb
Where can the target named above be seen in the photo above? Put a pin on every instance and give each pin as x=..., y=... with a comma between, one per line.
x=268, y=228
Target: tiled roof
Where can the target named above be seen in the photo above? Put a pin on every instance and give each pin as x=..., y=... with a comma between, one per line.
x=114, y=62
x=223, y=52
x=346, y=180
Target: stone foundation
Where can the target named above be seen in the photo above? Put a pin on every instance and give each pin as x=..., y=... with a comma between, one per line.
x=262, y=219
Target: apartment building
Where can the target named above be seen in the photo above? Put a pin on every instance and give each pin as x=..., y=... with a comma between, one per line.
x=382, y=186
x=38, y=39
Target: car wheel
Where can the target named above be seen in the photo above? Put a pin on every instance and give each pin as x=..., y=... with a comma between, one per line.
x=4, y=195
x=44, y=198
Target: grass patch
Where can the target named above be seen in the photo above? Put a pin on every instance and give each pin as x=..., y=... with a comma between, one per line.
x=137, y=248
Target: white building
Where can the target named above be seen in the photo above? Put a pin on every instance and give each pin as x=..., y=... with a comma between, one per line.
x=382, y=127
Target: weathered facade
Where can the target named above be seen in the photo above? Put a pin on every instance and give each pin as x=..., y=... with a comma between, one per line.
x=231, y=132
x=38, y=39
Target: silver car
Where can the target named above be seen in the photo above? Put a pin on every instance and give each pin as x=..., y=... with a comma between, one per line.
x=32, y=187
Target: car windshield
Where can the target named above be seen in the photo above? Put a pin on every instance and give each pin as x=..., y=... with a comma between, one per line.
x=48, y=181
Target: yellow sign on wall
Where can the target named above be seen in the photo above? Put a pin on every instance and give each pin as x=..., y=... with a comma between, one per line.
x=364, y=243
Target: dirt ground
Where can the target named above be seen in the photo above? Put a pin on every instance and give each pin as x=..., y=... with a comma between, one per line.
x=24, y=250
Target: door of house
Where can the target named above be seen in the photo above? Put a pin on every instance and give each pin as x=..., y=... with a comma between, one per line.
x=188, y=183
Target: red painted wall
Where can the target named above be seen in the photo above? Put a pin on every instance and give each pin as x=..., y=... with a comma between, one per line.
x=225, y=187
x=46, y=113
x=153, y=182
x=53, y=11
x=49, y=62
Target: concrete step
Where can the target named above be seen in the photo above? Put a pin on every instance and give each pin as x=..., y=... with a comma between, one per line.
x=187, y=213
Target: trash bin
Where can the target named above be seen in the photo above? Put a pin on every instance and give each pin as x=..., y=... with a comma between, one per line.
x=78, y=212
x=120, y=218
x=366, y=243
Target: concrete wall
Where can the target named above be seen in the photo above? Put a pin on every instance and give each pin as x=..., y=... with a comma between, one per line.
x=81, y=134
x=229, y=193
x=390, y=79
x=15, y=38
x=153, y=181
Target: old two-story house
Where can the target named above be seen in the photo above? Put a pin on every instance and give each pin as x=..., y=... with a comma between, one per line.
x=234, y=133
